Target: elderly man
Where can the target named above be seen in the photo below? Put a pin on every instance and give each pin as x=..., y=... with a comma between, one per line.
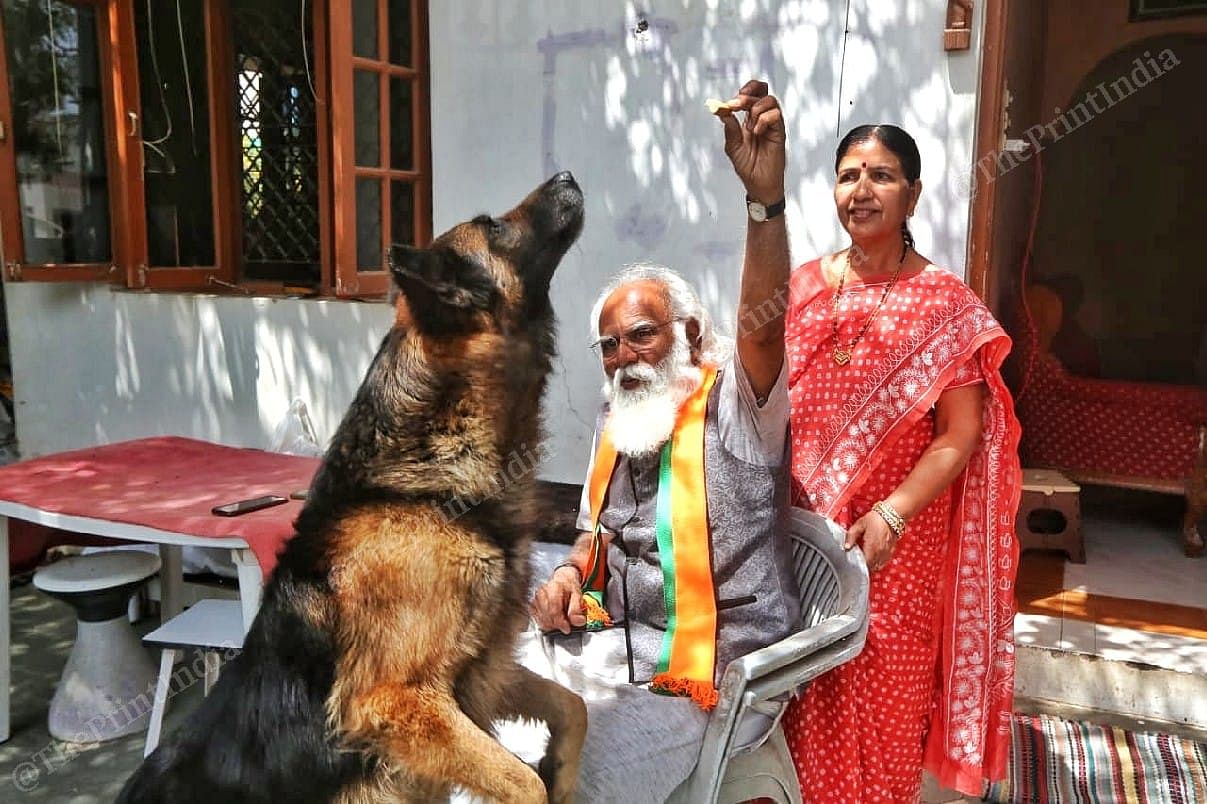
x=680, y=565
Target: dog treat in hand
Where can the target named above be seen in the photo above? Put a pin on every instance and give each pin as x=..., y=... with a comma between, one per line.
x=718, y=107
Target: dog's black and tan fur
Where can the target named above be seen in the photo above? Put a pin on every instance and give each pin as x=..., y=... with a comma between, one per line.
x=383, y=648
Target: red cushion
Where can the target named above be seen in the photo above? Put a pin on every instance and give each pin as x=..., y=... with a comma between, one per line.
x=1128, y=429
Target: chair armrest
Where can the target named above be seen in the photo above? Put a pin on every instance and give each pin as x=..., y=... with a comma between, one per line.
x=832, y=580
x=790, y=678
x=793, y=648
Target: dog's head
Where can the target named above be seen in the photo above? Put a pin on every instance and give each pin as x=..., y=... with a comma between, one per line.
x=490, y=273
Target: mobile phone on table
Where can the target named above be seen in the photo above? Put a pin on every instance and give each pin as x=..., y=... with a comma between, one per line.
x=247, y=506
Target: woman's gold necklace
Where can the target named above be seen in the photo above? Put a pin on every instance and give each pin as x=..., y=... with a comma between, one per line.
x=842, y=355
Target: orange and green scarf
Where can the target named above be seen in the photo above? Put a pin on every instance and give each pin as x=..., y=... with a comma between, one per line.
x=687, y=662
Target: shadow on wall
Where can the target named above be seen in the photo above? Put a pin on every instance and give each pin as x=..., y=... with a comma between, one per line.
x=96, y=366
x=582, y=86
x=617, y=95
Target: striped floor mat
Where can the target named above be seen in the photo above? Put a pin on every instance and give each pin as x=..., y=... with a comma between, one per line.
x=1054, y=760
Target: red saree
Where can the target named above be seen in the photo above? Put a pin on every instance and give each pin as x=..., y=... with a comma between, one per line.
x=934, y=685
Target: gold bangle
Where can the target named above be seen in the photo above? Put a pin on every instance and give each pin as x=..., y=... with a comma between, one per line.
x=894, y=520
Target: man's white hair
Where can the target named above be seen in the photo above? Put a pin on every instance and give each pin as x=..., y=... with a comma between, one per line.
x=715, y=348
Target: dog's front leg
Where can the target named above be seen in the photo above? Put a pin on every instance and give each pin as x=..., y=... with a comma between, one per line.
x=537, y=698
x=424, y=732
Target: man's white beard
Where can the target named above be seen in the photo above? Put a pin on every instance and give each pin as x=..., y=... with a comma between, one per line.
x=641, y=420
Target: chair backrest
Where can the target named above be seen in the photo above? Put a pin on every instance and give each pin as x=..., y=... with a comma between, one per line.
x=833, y=627
x=817, y=569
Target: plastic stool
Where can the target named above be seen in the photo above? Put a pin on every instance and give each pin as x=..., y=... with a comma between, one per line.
x=102, y=693
x=1049, y=490
x=211, y=625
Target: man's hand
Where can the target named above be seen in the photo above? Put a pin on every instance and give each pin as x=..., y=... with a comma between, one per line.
x=755, y=145
x=559, y=603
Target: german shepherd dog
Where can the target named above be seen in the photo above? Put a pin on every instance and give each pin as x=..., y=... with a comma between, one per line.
x=383, y=649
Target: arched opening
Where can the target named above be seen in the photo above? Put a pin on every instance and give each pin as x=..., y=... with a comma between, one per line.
x=1122, y=230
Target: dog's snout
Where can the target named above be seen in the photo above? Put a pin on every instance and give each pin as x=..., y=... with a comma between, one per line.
x=563, y=181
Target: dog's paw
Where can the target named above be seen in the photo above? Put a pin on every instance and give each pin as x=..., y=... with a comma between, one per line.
x=559, y=784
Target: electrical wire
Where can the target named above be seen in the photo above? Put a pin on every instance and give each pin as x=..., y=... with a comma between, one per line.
x=153, y=145
x=54, y=70
x=188, y=84
x=306, y=54
x=163, y=100
x=842, y=68
x=164, y=155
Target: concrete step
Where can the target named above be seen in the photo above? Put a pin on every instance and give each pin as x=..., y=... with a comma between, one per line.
x=1174, y=701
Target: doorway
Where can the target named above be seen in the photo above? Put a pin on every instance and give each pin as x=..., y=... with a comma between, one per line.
x=1103, y=101
x=1088, y=202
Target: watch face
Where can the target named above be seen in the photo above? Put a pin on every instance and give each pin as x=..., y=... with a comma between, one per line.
x=757, y=211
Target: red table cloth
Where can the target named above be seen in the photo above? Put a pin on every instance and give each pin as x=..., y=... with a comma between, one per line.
x=170, y=484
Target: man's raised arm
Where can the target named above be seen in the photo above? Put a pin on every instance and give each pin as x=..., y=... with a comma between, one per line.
x=755, y=146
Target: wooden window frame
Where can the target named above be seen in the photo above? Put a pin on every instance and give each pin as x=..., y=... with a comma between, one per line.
x=223, y=176
x=15, y=268
x=348, y=280
x=333, y=63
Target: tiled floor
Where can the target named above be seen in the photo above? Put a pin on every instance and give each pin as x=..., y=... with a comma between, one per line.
x=1137, y=598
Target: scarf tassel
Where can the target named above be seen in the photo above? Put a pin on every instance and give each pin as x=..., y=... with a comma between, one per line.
x=597, y=616
x=703, y=693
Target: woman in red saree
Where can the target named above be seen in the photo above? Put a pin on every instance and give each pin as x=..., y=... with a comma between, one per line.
x=903, y=432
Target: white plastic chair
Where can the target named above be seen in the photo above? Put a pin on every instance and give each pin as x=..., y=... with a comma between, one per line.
x=834, y=622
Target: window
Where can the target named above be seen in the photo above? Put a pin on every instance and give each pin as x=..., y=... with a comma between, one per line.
x=223, y=148
x=380, y=131
x=54, y=158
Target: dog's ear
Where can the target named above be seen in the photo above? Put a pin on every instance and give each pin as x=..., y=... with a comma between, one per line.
x=421, y=272
x=441, y=289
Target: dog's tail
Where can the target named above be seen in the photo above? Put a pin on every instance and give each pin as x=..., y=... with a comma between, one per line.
x=143, y=787
x=171, y=773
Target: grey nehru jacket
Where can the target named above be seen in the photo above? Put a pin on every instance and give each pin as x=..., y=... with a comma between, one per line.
x=745, y=476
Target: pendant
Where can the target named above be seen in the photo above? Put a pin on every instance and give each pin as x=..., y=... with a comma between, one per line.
x=841, y=356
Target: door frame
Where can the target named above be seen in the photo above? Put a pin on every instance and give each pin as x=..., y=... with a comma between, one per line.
x=989, y=135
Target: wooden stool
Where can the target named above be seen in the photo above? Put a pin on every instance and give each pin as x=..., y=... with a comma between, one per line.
x=1049, y=490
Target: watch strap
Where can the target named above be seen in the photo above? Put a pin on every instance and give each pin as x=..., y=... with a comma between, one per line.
x=772, y=210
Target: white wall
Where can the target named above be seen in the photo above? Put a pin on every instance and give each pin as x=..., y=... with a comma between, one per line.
x=522, y=89
x=92, y=366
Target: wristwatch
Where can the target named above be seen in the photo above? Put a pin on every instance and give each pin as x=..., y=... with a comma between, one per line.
x=759, y=213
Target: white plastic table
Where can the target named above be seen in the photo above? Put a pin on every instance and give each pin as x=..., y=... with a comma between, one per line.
x=159, y=491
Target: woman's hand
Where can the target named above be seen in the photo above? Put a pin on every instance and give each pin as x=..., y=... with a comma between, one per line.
x=755, y=145
x=957, y=433
x=875, y=536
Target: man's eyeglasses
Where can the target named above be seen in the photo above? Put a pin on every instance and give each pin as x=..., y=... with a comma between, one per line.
x=640, y=339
